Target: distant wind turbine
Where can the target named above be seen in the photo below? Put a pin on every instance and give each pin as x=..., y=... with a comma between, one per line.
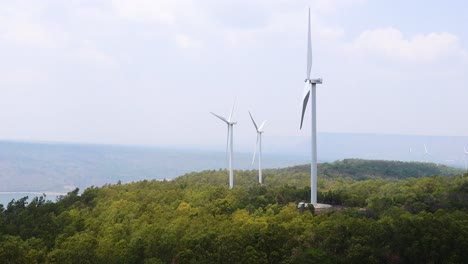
x=229, y=142
x=258, y=146
x=466, y=153
x=308, y=90
x=426, y=153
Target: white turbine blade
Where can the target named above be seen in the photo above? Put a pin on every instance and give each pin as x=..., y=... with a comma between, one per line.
x=220, y=117
x=232, y=110
x=262, y=125
x=253, y=121
x=305, y=100
x=425, y=149
x=255, y=150
x=309, y=51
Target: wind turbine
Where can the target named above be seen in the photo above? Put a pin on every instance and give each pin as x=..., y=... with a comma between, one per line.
x=466, y=153
x=308, y=90
x=426, y=153
x=229, y=142
x=258, y=146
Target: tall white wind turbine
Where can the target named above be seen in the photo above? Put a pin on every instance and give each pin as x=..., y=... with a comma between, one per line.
x=229, y=142
x=308, y=90
x=258, y=147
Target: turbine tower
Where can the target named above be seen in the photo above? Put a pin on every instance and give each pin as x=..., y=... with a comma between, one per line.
x=308, y=90
x=258, y=146
x=229, y=142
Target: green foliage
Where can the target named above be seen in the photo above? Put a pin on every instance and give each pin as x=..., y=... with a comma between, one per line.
x=345, y=171
x=197, y=219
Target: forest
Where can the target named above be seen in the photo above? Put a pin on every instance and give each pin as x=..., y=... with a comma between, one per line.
x=384, y=212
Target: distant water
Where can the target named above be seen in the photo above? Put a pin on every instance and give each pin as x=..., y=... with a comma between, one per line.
x=40, y=167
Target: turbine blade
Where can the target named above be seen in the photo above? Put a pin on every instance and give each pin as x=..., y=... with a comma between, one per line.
x=220, y=117
x=253, y=121
x=425, y=149
x=232, y=110
x=262, y=125
x=309, y=51
x=255, y=150
x=305, y=101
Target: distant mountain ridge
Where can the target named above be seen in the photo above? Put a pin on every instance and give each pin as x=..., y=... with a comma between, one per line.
x=60, y=167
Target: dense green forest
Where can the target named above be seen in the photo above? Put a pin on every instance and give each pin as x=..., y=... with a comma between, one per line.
x=385, y=212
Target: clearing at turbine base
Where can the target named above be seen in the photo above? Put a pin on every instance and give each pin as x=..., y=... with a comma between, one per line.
x=258, y=146
x=309, y=92
x=229, y=142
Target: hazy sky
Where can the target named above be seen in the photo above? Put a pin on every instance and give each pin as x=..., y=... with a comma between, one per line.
x=149, y=72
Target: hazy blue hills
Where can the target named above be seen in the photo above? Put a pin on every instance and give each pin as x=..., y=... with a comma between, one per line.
x=49, y=167
x=446, y=150
x=43, y=167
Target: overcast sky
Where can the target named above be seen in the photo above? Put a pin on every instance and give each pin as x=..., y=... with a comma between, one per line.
x=149, y=72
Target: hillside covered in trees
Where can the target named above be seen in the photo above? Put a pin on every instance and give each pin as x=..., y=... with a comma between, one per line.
x=386, y=212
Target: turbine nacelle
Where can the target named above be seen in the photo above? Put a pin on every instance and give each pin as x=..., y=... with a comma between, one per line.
x=314, y=81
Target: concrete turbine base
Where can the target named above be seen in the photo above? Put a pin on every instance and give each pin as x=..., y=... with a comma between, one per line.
x=322, y=206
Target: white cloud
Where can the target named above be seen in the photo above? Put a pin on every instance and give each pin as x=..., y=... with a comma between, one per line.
x=87, y=52
x=330, y=6
x=146, y=10
x=390, y=43
x=18, y=27
x=330, y=32
x=185, y=42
